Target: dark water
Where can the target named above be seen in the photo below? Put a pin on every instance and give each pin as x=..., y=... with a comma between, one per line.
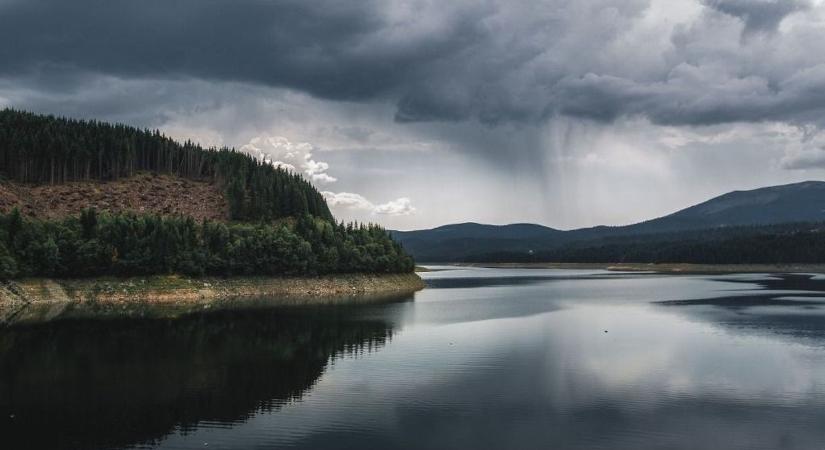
x=482, y=359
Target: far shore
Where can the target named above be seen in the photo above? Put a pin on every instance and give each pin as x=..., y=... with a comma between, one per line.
x=671, y=268
x=35, y=300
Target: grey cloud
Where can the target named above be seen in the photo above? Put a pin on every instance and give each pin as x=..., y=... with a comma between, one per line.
x=146, y=102
x=696, y=101
x=355, y=133
x=336, y=50
x=758, y=15
x=810, y=159
x=439, y=61
x=493, y=61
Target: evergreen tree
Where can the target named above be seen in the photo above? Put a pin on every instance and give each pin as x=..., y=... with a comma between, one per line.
x=8, y=266
x=98, y=244
x=46, y=149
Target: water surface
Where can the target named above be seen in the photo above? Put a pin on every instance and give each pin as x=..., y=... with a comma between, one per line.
x=481, y=359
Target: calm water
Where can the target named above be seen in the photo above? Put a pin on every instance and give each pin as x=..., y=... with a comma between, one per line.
x=482, y=359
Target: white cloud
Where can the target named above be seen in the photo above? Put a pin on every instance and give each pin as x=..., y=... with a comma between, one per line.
x=348, y=200
x=323, y=178
x=293, y=156
x=399, y=207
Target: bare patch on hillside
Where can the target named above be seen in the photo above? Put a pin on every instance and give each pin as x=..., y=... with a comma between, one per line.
x=142, y=193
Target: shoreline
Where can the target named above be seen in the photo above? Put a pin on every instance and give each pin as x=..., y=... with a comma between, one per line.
x=664, y=268
x=35, y=300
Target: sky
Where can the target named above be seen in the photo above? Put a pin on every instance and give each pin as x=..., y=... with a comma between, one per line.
x=419, y=113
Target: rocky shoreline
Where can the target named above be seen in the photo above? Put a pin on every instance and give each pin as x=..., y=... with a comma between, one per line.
x=38, y=299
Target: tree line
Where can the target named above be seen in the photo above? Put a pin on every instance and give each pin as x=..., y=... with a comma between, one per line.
x=99, y=244
x=799, y=243
x=42, y=149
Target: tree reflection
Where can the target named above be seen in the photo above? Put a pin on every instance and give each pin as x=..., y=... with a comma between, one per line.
x=93, y=384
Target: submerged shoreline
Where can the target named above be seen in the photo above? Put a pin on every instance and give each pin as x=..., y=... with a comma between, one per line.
x=671, y=268
x=35, y=300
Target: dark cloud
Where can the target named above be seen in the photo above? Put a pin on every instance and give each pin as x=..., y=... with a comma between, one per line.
x=328, y=48
x=758, y=15
x=697, y=101
x=437, y=61
x=493, y=61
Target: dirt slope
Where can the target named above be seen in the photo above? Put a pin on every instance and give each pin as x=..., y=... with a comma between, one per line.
x=152, y=193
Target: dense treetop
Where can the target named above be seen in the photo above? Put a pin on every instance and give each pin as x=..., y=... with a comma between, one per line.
x=96, y=244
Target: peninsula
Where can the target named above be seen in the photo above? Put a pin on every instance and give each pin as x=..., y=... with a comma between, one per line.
x=91, y=211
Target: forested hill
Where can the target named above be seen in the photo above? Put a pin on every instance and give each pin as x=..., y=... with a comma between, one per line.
x=733, y=214
x=276, y=224
x=41, y=149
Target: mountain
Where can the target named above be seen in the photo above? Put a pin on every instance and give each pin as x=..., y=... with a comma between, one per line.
x=438, y=244
x=471, y=230
x=797, y=202
x=790, y=203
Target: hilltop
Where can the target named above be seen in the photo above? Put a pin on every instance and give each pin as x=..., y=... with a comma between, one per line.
x=768, y=211
x=795, y=202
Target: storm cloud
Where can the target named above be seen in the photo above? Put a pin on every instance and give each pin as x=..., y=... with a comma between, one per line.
x=490, y=61
x=337, y=50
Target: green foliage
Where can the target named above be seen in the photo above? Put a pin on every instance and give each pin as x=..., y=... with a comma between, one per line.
x=13, y=224
x=8, y=266
x=129, y=244
x=47, y=149
x=88, y=222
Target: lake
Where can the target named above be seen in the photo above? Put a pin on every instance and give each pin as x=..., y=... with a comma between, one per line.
x=481, y=359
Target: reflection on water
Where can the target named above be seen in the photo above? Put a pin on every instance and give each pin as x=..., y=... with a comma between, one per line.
x=78, y=384
x=789, y=306
x=482, y=359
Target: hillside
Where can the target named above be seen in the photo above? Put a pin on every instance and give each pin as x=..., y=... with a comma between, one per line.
x=471, y=230
x=144, y=193
x=796, y=202
x=90, y=199
x=38, y=150
x=468, y=239
x=792, y=203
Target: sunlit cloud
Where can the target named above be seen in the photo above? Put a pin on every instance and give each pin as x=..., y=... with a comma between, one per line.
x=348, y=200
x=292, y=156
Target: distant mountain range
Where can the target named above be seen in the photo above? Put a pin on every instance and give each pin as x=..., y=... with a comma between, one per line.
x=790, y=203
